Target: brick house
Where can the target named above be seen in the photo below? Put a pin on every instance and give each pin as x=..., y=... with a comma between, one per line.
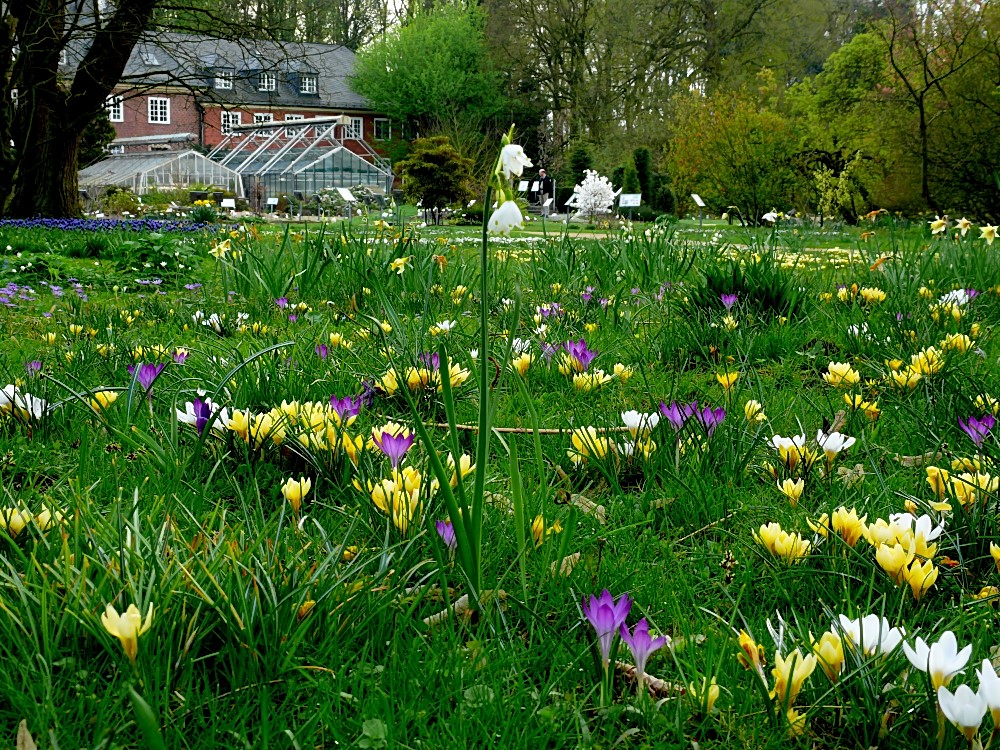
x=183, y=90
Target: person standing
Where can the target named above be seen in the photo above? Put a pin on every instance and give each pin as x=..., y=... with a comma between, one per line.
x=546, y=189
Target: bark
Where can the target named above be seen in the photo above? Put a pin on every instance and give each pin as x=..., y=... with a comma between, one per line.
x=53, y=113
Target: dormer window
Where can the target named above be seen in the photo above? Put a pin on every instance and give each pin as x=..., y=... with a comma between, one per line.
x=224, y=80
x=149, y=57
x=308, y=84
x=62, y=57
x=267, y=82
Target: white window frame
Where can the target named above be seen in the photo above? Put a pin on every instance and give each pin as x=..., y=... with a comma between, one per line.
x=116, y=148
x=292, y=132
x=263, y=118
x=62, y=57
x=115, y=105
x=223, y=80
x=267, y=82
x=309, y=84
x=228, y=119
x=149, y=57
x=356, y=129
x=13, y=97
x=388, y=127
x=157, y=107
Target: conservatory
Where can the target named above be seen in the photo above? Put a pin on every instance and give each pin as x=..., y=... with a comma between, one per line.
x=160, y=170
x=305, y=158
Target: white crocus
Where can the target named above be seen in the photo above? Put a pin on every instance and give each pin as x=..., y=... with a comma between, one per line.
x=513, y=160
x=23, y=405
x=833, y=443
x=965, y=709
x=922, y=526
x=505, y=217
x=637, y=422
x=989, y=689
x=941, y=660
x=872, y=633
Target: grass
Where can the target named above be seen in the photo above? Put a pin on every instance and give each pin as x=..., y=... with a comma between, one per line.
x=319, y=628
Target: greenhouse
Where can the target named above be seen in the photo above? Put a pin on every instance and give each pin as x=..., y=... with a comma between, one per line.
x=163, y=170
x=304, y=159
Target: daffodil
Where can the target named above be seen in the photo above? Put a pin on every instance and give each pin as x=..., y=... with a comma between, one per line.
x=939, y=225
x=127, y=627
x=988, y=233
x=399, y=265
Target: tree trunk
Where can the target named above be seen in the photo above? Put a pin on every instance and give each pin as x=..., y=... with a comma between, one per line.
x=925, y=187
x=46, y=184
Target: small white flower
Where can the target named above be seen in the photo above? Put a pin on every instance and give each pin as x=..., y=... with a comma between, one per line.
x=941, y=660
x=505, y=218
x=871, y=633
x=513, y=160
x=965, y=709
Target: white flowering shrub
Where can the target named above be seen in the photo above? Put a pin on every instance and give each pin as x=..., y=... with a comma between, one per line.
x=594, y=195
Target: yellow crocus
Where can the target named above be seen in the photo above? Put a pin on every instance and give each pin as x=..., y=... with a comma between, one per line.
x=103, y=399
x=127, y=627
x=995, y=554
x=792, y=490
x=704, y=695
x=295, y=490
x=894, y=560
x=727, y=380
x=920, y=577
x=829, y=650
x=789, y=675
x=841, y=374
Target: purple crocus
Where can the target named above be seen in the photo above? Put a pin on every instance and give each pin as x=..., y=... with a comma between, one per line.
x=148, y=374
x=641, y=645
x=710, y=418
x=431, y=360
x=202, y=413
x=346, y=407
x=322, y=351
x=606, y=615
x=578, y=350
x=587, y=294
x=447, y=533
x=676, y=414
x=281, y=302
x=180, y=356
x=978, y=429
x=392, y=445
x=32, y=368
x=728, y=300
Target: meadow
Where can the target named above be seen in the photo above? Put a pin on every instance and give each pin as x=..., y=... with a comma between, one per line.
x=367, y=485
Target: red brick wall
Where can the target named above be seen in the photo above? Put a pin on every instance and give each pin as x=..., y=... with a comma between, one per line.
x=183, y=115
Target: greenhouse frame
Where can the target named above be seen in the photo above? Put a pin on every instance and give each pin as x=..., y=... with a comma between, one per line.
x=303, y=158
x=160, y=170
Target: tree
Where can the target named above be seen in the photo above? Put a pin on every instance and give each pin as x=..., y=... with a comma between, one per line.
x=924, y=51
x=38, y=175
x=431, y=72
x=435, y=174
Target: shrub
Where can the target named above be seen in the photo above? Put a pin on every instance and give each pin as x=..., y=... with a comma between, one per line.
x=435, y=174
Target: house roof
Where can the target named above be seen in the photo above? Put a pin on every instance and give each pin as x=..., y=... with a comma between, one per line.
x=194, y=60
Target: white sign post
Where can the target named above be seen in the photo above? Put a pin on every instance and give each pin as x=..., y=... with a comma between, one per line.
x=349, y=199
x=629, y=201
x=701, y=207
x=522, y=186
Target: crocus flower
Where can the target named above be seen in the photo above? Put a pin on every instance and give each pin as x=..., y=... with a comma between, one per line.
x=33, y=367
x=345, y=408
x=871, y=633
x=606, y=615
x=394, y=441
x=965, y=709
x=941, y=660
x=578, y=351
x=728, y=300
x=148, y=373
x=281, y=302
x=447, y=533
x=989, y=689
x=641, y=645
x=295, y=490
x=197, y=413
x=676, y=414
x=127, y=627
x=978, y=429
x=710, y=418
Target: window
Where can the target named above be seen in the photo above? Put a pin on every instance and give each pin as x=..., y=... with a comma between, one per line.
x=267, y=82
x=229, y=119
x=159, y=110
x=263, y=118
x=13, y=96
x=149, y=57
x=383, y=129
x=308, y=85
x=224, y=79
x=116, y=148
x=292, y=132
x=356, y=129
x=116, y=109
x=62, y=57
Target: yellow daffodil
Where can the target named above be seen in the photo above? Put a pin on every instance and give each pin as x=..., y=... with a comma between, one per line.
x=127, y=627
x=939, y=225
x=400, y=264
x=988, y=233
